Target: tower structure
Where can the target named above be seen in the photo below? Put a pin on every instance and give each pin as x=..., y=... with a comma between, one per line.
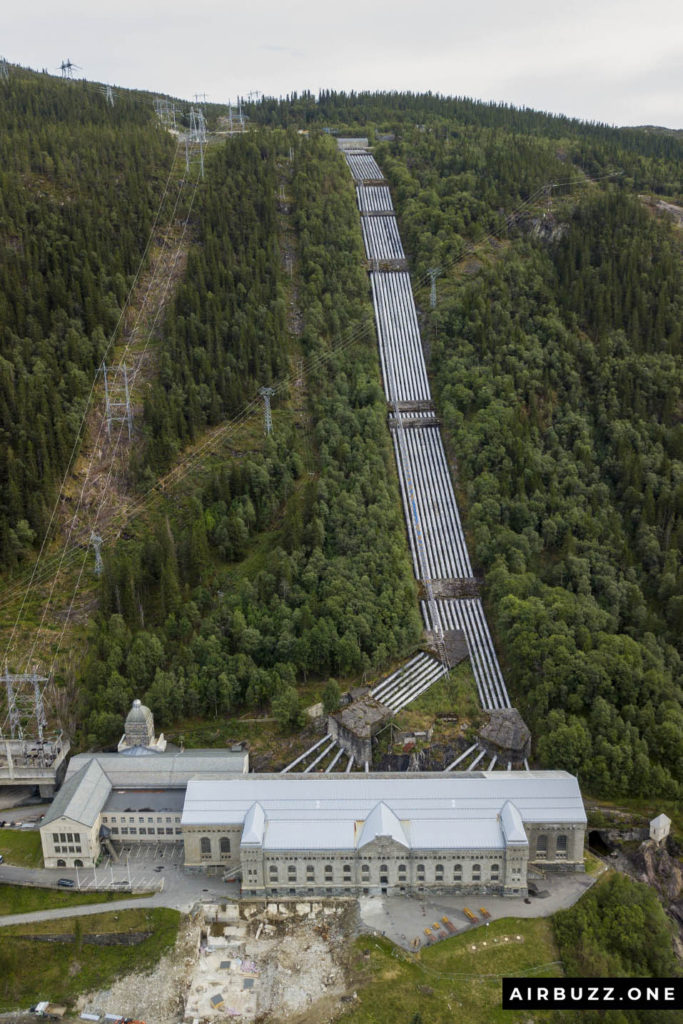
x=117, y=397
x=96, y=542
x=4, y=69
x=25, y=703
x=266, y=394
x=67, y=67
x=108, y=94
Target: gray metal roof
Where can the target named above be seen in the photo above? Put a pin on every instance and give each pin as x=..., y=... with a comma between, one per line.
x=163, y=770
x=423, y=810
x=82, y=797
x=144, y=800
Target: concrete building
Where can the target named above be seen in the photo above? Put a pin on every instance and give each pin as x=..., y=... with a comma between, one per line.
x=469, y=832
x=135, y=795
x=139, y=730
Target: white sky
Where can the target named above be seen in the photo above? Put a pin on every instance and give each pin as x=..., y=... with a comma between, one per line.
x=619, y=61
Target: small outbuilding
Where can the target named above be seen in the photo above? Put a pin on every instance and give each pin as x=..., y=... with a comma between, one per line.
x=660, y=828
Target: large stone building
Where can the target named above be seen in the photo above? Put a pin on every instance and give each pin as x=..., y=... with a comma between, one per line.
x=463, y=832
x=135, y=795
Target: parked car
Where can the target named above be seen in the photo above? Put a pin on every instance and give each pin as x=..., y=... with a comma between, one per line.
x=66, y=883
x=2, y=859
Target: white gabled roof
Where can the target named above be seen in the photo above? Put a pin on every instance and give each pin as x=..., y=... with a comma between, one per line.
x=512, y=825
x=422, y=810
x=254, y=826
x=381, y=821
x=661, y=821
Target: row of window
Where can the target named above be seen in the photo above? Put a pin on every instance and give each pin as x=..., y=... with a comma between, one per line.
x=66, y=837
x=560, y=846
x=205, y=845
x=402, y=871
x=67, y=849
x=115, y=831
x=139, y=820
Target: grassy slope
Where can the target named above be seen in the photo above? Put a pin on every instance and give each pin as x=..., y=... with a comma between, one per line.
x=450, y=983
x=19, y=899
x=31, y=970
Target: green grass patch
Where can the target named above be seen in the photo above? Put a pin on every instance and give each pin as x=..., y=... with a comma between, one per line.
x=21, y=848
x=21, y=899
x=32, y=970
x=449, y=982
x=592, y=864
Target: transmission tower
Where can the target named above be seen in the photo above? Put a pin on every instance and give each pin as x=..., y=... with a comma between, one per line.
x=200, y=97
x=97, y=542
x=433, y=272
x=108, y=94
x=4, y=69
x=117, y=398
x=268, y=419
x=197, y=134
x=24, y=702
x=67, y=68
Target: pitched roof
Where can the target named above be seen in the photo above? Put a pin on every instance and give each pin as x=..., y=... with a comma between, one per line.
x=82, y=797
x=381, y=821
x=464, y=810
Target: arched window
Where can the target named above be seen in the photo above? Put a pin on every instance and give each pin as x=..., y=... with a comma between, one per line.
x=561, y=847
x=328, y=872
x=438, y=873
x=291, y=873
x=365, y=871
x=225, y=844
x=61, y=863
x=78, y=863
x=420, y=872
x=541, y=846
x=457, y=872
x=494, y=872
x=205, y=846
x=310, y=873
x=476, y=872
x=272, y=873
x=402, y=872
x=347, y=872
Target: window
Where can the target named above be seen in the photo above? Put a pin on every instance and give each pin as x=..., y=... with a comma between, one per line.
x=150, y=821
x=291, y=873
x=476, y=872
x=438, y=873
x=151, y=831
x=113, y=819
x=401, y=872
x=141, y=821
x=420, y=872
x=365, y=872
x=143, y=831
x=78, y=849
x=494, y=872
x=61, y=863
x=328, y=872
x=205, y=846
x=62, y=837
x=225, y=845
x=55, y=837
x=69, y=837
x=124, y=831
x=347, y=872
x=133, y=831
x=78, y=863
x=115, y=830
x=457, y=872
x=178, y=831
x=542, y=847
x=169, y=831
x=167, y=820
x=310, y=873
x=272, y=873
x=561, y=848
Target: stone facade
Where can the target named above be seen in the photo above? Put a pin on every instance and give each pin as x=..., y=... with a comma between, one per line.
x=70, y=844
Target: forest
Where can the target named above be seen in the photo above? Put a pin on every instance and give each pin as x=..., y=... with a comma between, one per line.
x=191, y=615
x=72, y=239
x=554, y=358
x=617, y=930
x=555, y=354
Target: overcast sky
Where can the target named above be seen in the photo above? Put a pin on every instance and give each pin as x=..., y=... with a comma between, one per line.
x=619, y=61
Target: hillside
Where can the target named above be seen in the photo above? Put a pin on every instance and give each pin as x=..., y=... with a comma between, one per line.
x=277, y=562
